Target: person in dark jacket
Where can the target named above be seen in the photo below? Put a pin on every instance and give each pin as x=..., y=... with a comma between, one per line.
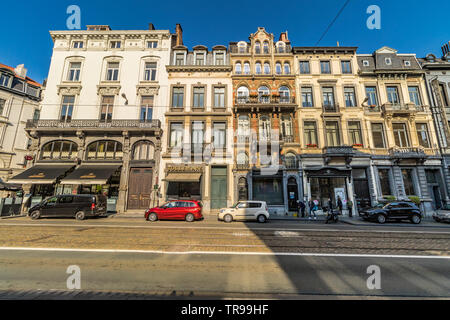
x=339, y=204
x=301, y=208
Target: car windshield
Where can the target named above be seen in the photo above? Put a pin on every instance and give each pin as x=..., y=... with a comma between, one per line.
x=236, y=204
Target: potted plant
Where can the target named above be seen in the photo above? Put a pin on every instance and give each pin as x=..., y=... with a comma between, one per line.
x=357, y=145
x=311, y=145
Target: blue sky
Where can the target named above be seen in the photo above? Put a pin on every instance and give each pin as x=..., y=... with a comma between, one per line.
x=408, y=26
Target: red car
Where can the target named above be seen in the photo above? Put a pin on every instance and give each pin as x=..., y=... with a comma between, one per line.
x=188, y=210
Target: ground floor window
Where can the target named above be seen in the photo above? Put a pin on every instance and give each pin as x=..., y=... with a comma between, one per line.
x=408, y=182
x=269, y=190
x=323, y=189
x=385, y=182
x=184, y=190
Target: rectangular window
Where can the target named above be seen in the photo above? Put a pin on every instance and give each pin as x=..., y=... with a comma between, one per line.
x=371, y=94
x=325, y=67
x=219, y=97
x=349, y=96
x=179, y=58
x=346, y=67
x=307, y=97
x=219, y=135
x=115, y=44
x=378, y=135
x=385, y=182
x=36, y=114
x=393, y=96
x=74, y=71
x=107, y=108
x=2, y=106
x=332, y=131
x=304, y=67
x=146, y=108
x=310, y=130
x=408, y=182
x=152, y=44
x=199, y=97
x=197, y=136
x=220, y=58
x=4, y=80
x=199, y=58
x=67, y=108
x=177, y=97
x=354, y=132
x=78, y=44
x=112, y=71
x=176, y=135
x=422, y=135
x=414, y=95
x=286, y=127
x=328, y=97
x=444, y=96
x=150, y=71
x=400, y=135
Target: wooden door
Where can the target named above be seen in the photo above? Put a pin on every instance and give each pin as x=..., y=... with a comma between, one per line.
x=140, y=188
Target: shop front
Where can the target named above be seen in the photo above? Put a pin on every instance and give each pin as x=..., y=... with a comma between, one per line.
x=184, y=182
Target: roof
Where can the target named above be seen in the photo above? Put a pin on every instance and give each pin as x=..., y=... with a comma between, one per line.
x=27, y=79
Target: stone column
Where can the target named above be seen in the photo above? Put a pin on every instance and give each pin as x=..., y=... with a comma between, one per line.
x=123, y=187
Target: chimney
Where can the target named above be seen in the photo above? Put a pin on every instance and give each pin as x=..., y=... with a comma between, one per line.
x=21, y=71
x=179, y=33
x=151, y=26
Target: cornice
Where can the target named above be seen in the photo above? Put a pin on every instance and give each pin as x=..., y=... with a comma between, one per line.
x=194, y=68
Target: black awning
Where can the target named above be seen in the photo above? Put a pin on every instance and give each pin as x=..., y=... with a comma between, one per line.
x=9, y=186
x=41, y=174
x=91, y=174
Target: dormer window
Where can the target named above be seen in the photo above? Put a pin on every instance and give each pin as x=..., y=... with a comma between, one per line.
x=18, y=85
x=78, y=44
x=407, y=63
x=179, y=58
x=388, y=61
x=4, y=80
x=152, y=44
x=200, y=58
x=242, y=47
x=115, y=44
x=219, y=58
x=366, y=63
x=281, y=47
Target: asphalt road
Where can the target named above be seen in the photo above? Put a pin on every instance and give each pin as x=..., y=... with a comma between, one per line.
x=211, y=259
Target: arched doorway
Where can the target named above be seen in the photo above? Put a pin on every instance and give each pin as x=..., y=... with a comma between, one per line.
x=292, y=189
x=242, y=189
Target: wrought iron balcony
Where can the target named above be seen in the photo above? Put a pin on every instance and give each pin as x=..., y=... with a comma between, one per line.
x=264, y=100
x=287, y=139
x=92, y=124
x=330, y=108
x=339, y=151
x=407, y=153
x=400, y=108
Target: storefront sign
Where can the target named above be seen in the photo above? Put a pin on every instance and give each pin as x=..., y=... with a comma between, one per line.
x=184, y=169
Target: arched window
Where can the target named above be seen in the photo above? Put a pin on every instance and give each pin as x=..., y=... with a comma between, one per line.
x=263, y=94
x=264, y=128
x=290, y=161
x=143, y=150
x=284, y=94
x=278, y=68
x=281, y=47
x=242, y=47
x=238, y=68
x=266, y=47
x=246, y=68
x=243, y=128
x=287, y=68
x=242, y=94
x=59, y=150
x=258, y=68
x=242, y=158
x=105, y=150
x=266, y=68
x=257, y=47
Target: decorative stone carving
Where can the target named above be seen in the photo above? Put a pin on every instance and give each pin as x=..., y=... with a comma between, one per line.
x=144, y=90
x=108, y=89
x=69, y=89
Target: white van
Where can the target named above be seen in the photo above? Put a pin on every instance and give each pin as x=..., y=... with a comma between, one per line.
x=245, y=211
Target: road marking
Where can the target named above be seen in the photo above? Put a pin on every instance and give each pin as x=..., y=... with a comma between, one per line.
x=213, y=228
x=286, y=234
x=293, y=254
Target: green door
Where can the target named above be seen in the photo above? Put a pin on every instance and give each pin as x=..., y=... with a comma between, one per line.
x=219, y=189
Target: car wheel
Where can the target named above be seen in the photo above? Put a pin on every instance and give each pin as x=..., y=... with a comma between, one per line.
x=35, y=215
x=80, y=215
x=416, y=219
x=152, y=217
x=381, y=218
x=437, y=219
x=228, y=218
x=189, y=217
x=261, y=218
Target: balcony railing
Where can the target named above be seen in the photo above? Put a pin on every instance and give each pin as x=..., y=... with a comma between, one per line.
x=330, y=108
x=264, y=100
x=401, y=108
x=240, y=50
x=76, y=124
x=407, y=152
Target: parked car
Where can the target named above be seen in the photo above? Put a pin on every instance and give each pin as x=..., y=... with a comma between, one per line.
x=245, y=210
x=79, y=206
x=401, y=210
x=441, y=216
x=189, y=210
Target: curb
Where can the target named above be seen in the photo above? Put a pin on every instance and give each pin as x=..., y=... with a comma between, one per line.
x=12, y=217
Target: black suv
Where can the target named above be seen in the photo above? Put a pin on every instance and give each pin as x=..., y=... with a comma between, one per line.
x=79, y=206
x=400, y=210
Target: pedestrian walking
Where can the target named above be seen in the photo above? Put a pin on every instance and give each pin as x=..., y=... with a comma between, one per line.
x=301, y=208
x=339, y=204
x=350, y=208
x=314, y=209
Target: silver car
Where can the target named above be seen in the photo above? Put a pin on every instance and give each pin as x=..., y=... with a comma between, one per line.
x=245, y=211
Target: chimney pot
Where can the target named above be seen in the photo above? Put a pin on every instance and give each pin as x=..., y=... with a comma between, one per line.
x=151, y=26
